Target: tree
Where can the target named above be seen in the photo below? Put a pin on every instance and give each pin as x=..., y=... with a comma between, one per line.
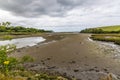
x=8, y=24
x=5, y=24
x=5, y=27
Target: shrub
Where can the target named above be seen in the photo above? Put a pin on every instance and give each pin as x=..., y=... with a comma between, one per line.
x=26, y=59
x=7, y=63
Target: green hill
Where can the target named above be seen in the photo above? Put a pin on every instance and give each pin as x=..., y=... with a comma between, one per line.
x=110, y=28
x=105, y=29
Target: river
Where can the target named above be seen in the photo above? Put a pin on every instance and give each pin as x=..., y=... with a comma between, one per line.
x=23, y=42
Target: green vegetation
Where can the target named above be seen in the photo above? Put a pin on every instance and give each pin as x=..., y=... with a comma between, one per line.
x=8, y=32
x=110, y=28
x=93, y=30
x=26, y=75
x=7, y=37
x=105, y=33
x=107, y=37
x=7, y=63
x=27, y=59
x=6, y=27
x=100, y=30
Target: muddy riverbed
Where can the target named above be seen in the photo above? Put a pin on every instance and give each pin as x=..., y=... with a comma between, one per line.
x=74, y=56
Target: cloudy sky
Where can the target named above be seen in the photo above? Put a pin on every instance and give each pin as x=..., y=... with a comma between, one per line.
x=61, y=15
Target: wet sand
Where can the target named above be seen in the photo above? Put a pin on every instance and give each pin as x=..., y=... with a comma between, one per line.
x=74, y=56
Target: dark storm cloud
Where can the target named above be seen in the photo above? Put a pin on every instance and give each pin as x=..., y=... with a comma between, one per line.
x=35, y=8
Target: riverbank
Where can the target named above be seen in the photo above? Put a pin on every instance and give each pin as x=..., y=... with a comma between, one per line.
x=115, y=38
x=72, y=55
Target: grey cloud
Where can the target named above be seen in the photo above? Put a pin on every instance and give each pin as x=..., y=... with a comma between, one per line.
x=57, y=8
x=35, y=8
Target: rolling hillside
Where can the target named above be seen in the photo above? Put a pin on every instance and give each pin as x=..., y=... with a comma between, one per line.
x=105, y=29
x=110, y=28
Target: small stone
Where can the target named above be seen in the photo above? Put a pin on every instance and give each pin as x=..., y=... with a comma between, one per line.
x=52, y=67
x=105, y=70
x=72, y=62
x=91, y=69
x=48, y=58
x=65, y=74
x=97, y=70
x=76, y=70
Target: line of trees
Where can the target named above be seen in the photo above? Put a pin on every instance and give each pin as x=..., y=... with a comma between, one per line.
x=92, y=30
x=6, y=27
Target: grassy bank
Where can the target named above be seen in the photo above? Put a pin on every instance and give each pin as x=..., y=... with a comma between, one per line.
x=9, y=36
x=107, y=37
x=9, y=32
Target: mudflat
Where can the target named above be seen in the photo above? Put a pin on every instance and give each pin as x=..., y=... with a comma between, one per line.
x=73, y=56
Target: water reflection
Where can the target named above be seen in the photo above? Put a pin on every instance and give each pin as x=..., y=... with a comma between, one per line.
x=23, y=42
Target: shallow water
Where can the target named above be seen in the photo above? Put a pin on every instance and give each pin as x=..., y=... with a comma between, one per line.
x=23, y=42
x=109, y=48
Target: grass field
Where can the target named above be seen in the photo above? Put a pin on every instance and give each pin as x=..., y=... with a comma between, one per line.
x=110, y=28
x=102, y=30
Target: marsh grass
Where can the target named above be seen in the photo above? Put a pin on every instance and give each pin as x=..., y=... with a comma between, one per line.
x=107, y=38
x=7, y=37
